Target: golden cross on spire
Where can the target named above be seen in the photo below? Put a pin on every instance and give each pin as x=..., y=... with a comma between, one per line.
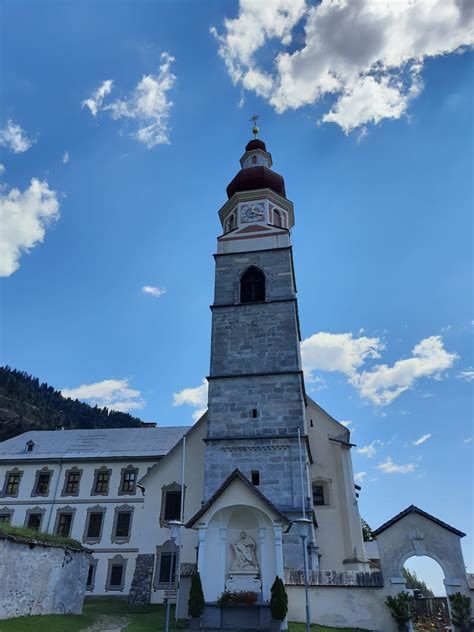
x=255, y=129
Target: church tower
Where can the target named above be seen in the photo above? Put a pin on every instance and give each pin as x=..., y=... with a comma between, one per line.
x=256, y=407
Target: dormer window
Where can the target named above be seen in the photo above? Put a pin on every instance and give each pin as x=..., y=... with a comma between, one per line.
x=29, y=446
x=252, y=286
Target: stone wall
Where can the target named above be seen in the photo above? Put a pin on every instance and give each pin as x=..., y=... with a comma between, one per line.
x=140, y=590
x=40, y=578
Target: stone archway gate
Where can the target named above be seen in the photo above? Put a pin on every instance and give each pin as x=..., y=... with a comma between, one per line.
x=415, y=532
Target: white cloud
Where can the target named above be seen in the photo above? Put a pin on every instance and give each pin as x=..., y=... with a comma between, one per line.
x=94, y=102
x=468, y=440
x=13, y=137
x=346, y=423
x=381, y=384
x=422, y=440
x=369, y=450
x=148, y=104
x=153, y=291
x=359, y=477
x=389, y=467
x=467, y=375
x=195, y=397
x=2, y=169
x=337, y=352
x=24, y=217
x=115, y=394
x=367, y=56
x=65, y=157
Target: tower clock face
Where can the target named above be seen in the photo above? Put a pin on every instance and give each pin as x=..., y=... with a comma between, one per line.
x=252, y=213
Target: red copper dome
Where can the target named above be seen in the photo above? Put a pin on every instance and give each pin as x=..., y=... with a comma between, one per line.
x=254, y=178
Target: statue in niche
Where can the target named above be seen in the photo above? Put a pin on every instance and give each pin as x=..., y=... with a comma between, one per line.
x=245, y=558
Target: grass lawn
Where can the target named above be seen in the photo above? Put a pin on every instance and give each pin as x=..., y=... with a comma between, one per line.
x=141, y=619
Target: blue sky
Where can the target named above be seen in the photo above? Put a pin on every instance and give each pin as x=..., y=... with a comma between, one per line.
x=374, y=138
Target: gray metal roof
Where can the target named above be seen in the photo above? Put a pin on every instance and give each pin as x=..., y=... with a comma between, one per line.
x=91, y=444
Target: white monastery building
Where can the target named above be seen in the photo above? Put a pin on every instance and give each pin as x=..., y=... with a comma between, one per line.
x=262, y=456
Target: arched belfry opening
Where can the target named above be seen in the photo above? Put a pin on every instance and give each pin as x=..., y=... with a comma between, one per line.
x=252, y=286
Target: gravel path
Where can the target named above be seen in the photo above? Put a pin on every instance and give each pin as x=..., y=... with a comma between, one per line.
x=106, y=623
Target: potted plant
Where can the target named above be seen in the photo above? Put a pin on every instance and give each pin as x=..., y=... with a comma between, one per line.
x=278, y=604
x=196, y=601
x=461, y=611
x=400, y=610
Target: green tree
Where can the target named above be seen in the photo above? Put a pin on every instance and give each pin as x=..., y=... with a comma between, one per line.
x=413, y=581
x=196, y=597
x=366, y=531
x=278, y=600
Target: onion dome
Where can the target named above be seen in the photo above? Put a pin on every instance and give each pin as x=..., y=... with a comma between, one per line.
x=256, y=173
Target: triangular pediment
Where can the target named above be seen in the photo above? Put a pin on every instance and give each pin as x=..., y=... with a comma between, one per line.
x=237, y=490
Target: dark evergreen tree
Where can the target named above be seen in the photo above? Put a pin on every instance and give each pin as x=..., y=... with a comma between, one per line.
x=26, y=404
x=413, y=582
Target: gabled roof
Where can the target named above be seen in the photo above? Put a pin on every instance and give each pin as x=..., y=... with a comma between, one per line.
x=344, y=428
x=236, y=474
x=92, y=443
x=155, y=466
x=413, y=509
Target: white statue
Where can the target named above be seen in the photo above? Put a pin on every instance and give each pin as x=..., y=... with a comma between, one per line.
x=245, y=558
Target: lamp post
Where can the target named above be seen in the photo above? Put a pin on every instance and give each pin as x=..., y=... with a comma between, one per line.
x=303, y=527
x=174, y=526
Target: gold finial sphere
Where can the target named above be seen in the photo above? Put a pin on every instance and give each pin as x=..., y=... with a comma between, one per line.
x=255, y=129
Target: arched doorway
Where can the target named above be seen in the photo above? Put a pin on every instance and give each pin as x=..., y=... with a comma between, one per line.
x=424, y=579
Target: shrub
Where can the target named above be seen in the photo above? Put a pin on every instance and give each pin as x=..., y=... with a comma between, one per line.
x=460, y=611
x=242, y=598
x=278, y=600
x=39, y=536
x=196, y=597
x=400, y=607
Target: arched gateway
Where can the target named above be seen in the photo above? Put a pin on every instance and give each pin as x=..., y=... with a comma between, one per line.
x=415, y=532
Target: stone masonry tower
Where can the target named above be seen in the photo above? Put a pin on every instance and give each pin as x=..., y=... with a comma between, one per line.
x=256, y=389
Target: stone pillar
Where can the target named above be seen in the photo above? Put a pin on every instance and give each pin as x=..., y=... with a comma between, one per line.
x=222, y=555
x=140, y=590
x=279, y=552
x=202, y=551
x=264, y=576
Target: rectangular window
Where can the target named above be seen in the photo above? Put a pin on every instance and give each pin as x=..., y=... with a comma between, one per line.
x=166, y=570
x=122, y=529
x=64, y=525
x=90, y=576
x=255, y=477
x=94, y=527
x=5, y=518
x=116, y=574
x=34, y=521
x=13, y=484
x=72, y=482
x=128, y=482
x=102, y=483
x=318, y=495
x=172, y=506
x=42, y=484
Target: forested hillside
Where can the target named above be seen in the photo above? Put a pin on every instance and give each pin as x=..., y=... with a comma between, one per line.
x=26, y=404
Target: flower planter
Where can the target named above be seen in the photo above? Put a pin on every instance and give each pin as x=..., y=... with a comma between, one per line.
x=195, y=624
x=276, y=625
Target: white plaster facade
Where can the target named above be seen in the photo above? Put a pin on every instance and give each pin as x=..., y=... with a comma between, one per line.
x=56, y=452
